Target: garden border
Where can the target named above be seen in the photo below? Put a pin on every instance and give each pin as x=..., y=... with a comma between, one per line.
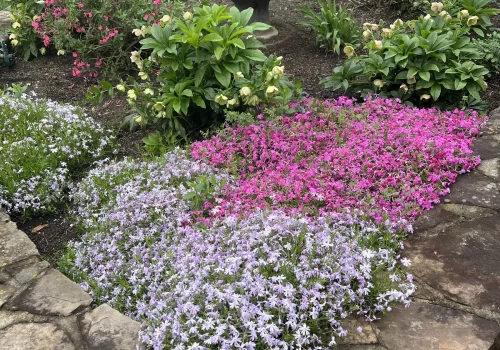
x=42, y=308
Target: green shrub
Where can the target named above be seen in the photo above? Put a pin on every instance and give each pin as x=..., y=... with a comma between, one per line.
x=489, y=51
x=416, y=61
x=195, y=67
x=42, y=144
x=334, y=26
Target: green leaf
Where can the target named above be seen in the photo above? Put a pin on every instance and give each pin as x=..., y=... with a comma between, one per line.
x=212, y=37
x=224, y=77
x=200, y=73
x=435, y=91
x=176, y=104
x=473, y=92
x=190, y=195
x=425, y=75
x=254, y=55
x=245, y=16
x=199, y=102
x=218, y=52
x=478, y=31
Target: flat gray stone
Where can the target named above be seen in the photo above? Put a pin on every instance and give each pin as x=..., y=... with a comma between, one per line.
x=51, y=294
x=434, y=217
x=9, y=318
x=107, y=329
x=475, y=189
x=469, y=212
x=487, y=147
x=433, y=327
x=490, y=167
x=14, y=244
x=461, y=262
x=493, y=124
x=34, y=336
x=7, y=290
x=496, y=343
x=358, y=347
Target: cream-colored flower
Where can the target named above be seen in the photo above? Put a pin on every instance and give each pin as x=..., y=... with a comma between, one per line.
x=137, y=32
x=367, y=26
x=463, y=14
x=392, y=26
x=425, y=97
x=404, y=87
x=138, y=119
x=386, y=33
x=427, y=17
x=399, y=22
x=437, y=6
x=472, y=20
x=278, y=71
x=16, y=25
x=411, y=80
x=245, y=91
x=232, y=102
x=14, y=42
x=131, y=95
x=367, y=34
x=253, y=100
x=279, y=58
x=271, y=90
x=60, y=52
x=443, y=13
x=158, y=106
x=485, y=85
x=165, y=19
x=269, y=76
x=145, y=30
x=143, y=75
x=35, y=17
x=12, y=36
x=120, y=87
x=221, y=99
x=349, y=51
x=378, y=45
x=378, y=83
x=43, y=50
x=148, y=91
x=375, y=27
x=135, y=57
x=238, y=75
x=187, y=16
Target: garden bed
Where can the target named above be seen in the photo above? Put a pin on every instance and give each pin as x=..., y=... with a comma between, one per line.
x=377, y=199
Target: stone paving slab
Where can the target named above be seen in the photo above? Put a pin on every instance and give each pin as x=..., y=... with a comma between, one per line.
x=15, y=246
x=475, y=189
x=432, y=327
x=34, y=336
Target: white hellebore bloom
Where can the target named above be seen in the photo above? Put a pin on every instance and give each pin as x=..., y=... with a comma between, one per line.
x=472, y=20
x=16, y=25
x=221, y=99
x=427, y=17
x=245, y=91
x=165, y=19
x=378, y=83
x=143, y=75
x=12, y=36
x=278, y=71
x=271, y=90
x=349, y=51
x=148, y=91
x=131, y=95
x=463, y=14
x=399, y=22
x=367, y=34
x=60, y=52
x=238, y=75
x=187, y=16
x=425, y=97
x=14, y=42
x=378, y=45
x=437, y=6
x=137, y=32
x=120, y=87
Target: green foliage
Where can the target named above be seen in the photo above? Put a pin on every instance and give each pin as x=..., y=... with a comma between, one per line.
x=416, y=61
x=23, y=35
x=333, y=25
x=204, y=189
x=194, y=68
x=489, y=51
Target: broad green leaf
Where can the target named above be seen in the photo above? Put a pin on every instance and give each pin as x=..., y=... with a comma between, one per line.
x=254, y=55
x=435, y=91
x=224, y=77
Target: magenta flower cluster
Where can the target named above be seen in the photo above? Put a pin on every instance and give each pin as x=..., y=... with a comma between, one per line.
x=384, y=158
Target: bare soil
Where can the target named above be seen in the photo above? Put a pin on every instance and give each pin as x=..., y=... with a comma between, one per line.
x=50, y=76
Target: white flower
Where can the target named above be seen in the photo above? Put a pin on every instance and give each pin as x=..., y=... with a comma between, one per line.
x=14, y=42
x=131, y=95
x=137, y=32
x=271, y=90
x=16, y=25
x=278, y=71
x=187, y=16
x=148, y=91
x=378, y=83
x=165, y=19
x=221, y=99
x=245, y=91
x=463, y=14
x=437, y=6
x=120, y=87
x=143, y=75
x=238, y=75
x=349, y=51
x=427, y=17
x=60, y=52
x=425, y=97
x=472, y=20
x=367, y=34
x=12, y=36
x=378, y=45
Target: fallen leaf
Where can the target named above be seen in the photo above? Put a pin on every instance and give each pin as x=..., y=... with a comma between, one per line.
x=39, y=227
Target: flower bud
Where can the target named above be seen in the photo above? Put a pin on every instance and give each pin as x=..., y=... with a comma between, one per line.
x=399, y=22
x=367, y=34
x=427, y=17
x=386, y=33
x=138, y=119
x=278, y=71
x=165, y=19
x=14, y=42
x=378, y=45
x=245, y=91
x=43, y=50
x=187, y=16
x=253, y=101
x=238, y=75
x=279, y=58
x=60, y=52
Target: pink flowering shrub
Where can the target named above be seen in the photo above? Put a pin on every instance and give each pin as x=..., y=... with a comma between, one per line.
x=384, y=158
x=97, y=33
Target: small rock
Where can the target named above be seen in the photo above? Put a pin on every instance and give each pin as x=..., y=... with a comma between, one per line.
x=51, y=294
x=487, y=146
x=34, y=336
x=493, y=124
x=106, y=329
x=354, y=337
x=8, y=318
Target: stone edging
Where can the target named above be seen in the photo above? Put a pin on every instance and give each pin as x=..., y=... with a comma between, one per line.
x=40, y=308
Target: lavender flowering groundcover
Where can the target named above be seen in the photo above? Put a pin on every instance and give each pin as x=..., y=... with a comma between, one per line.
x=42, y=142
x=280, y=276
